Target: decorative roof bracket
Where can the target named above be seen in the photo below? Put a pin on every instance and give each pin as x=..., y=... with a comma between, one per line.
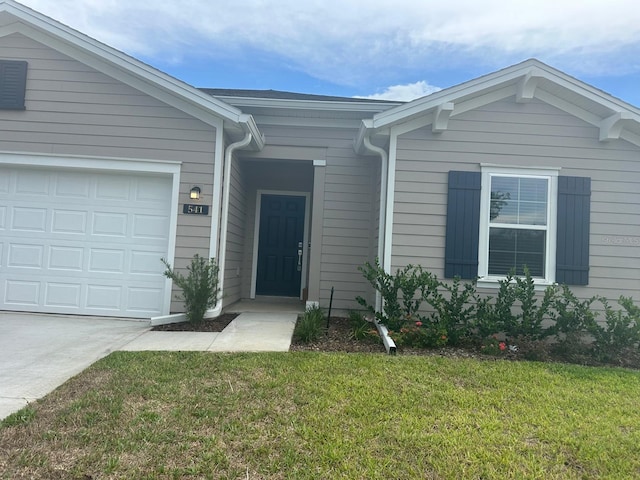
x=527, y=87
x=611, y=127
x=441, y=117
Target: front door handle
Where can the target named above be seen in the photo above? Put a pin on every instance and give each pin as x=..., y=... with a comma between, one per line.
x=299, y=256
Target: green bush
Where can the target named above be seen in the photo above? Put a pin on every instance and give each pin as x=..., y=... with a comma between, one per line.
x=620, y=334
x=420, y=335
x=573, y=320
x=310, y=326
x=459, y=314
x=402, y=294
x=455, y=312
x=200, y=290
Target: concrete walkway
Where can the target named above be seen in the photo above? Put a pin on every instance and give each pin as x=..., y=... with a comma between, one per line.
x=249, y=332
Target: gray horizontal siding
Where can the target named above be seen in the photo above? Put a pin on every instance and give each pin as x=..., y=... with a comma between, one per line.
x=533, y=134
x=349, y=205
x=72, y=109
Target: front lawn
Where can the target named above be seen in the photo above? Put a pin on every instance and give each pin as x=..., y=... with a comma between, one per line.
x=313, y=415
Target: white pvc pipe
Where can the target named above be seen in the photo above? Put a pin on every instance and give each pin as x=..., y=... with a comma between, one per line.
x=384, y=166
x=228, y=158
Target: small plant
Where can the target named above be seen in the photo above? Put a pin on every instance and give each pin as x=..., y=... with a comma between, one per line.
x=361, y=328
x=492, y=345
x=420, y=335
x=310, y=326
x=200, y=290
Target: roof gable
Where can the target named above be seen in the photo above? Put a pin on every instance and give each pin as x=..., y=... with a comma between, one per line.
x=16, y=18
x=526, y=81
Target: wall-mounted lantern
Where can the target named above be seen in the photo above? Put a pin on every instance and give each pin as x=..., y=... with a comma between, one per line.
x=195, y=193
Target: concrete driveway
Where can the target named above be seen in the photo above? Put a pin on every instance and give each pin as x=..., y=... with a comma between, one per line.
x=40, y=352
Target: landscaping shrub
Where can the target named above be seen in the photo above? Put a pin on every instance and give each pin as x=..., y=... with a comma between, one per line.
x=402, y=294
x=620, y=334
x=518, y=319
x=573, y=320
x=455, y=312
x=200, y=290
x=420, y=335
x=310, y=326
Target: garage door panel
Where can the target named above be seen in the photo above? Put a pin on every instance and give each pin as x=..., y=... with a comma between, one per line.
x=32, y=182
x=150, y=190
x=63, y=295
x=113, y=188
x=105, y=297
x=143, y=299
x=22, y=293
x=146, y=263
x=150, y=226
x=69, y=221
x=29, y=219
x=66, y=258
x=25, y=256
x=91, y=246
x=106, y=260
x=4, y=183
x=74, y=186
x=112, y=224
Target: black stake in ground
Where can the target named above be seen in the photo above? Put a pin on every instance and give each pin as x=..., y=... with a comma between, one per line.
x=329, y=315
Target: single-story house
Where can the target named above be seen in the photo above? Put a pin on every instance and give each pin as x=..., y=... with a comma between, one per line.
x=108, y=165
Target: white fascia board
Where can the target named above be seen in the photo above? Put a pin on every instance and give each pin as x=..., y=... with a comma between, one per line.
x=502, y=78
x=249, y=126
x=118, y=65
x=322, y=105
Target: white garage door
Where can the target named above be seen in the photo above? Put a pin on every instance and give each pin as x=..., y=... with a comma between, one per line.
x=83, y=242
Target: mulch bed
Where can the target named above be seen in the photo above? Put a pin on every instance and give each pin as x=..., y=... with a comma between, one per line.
x=207, y=325
x=338, y=339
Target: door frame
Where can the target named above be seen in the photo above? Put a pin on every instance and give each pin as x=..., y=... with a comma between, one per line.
x=305, y=239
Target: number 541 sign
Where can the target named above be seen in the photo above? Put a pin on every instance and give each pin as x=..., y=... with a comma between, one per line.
x=191, y=209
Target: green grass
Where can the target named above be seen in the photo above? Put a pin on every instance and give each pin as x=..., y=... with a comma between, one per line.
x=308, y=416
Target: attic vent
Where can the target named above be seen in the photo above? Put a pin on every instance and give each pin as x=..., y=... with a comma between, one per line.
x=13, y=81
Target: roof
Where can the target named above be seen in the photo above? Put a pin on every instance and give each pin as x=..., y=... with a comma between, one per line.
x=527, y=80
x=281, y=95
x=128, y=70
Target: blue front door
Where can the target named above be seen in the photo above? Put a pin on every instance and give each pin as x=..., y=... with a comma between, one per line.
x=279, y=244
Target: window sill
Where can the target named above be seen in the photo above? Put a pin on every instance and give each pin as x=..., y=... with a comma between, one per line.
x=493, y=283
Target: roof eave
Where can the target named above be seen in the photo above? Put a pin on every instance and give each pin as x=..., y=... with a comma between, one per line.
x=126, y=68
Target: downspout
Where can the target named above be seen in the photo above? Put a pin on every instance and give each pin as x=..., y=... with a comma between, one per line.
x=228, y=158
x=384, y=167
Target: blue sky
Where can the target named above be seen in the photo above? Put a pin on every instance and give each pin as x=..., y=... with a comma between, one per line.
x=380, y=49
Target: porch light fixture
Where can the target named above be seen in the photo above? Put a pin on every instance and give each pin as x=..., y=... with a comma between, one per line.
x=195, y=193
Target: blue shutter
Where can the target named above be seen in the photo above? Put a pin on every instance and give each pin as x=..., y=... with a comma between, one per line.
x=574, y=212
x=463, y=225
x=13, y=81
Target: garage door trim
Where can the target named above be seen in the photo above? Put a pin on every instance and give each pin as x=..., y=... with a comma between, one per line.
x=112, y=165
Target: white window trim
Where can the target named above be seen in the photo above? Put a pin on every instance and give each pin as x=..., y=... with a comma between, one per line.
x=552, y=213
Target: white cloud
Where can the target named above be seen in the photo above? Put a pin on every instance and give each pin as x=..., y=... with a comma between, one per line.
x=404, y=93
x=344, y=41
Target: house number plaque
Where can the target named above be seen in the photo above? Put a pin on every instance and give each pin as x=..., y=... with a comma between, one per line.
x=191, y=209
